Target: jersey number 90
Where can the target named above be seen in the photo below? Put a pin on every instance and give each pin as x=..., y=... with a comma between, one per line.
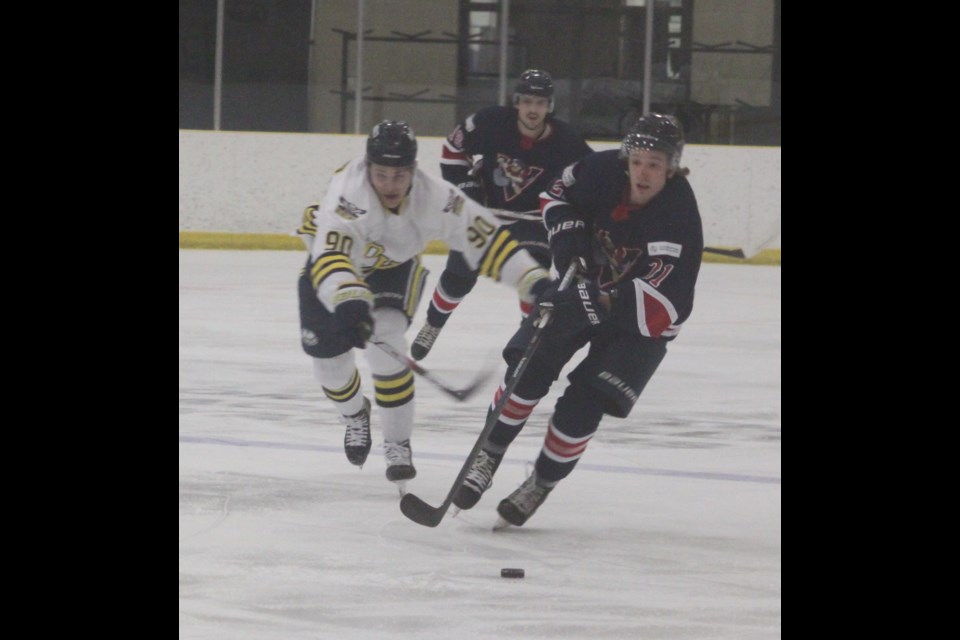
x=479, y=231
x=338, y=242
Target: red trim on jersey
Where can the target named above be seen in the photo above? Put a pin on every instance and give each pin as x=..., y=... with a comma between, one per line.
x=656, y=316
x=527, y=142
x=547, y=203
x=449, y=154
x=622, y=210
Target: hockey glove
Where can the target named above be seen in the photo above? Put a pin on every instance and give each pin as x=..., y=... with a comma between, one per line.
x=569, y=239
x=473, y=189
x=539, y=288
x=576, y=308
x=353, y=303
x=531, y=287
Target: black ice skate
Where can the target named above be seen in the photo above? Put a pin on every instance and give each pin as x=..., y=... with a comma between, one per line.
x=356, y=439
x=477, y=480
x=399, y=463
x=517, y=508
x=424, y=341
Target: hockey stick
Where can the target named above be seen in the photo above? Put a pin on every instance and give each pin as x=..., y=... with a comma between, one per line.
x=410, y=363
x=733, y=253
x=504, y=214
x=421, y=512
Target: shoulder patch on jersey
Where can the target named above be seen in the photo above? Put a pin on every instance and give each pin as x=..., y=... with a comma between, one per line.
x=456, y=138
x=567, y=177
x=348, y=210
x=664, y=249
x=454, y=203
x=469, y=123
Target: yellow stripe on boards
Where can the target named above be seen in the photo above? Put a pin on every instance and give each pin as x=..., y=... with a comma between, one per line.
x=282, y=242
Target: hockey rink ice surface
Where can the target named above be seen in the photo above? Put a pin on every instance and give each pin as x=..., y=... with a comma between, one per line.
x=668, y=528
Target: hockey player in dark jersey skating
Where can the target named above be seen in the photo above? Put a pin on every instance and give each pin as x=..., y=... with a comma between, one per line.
x=522, y=148
x=632, y=216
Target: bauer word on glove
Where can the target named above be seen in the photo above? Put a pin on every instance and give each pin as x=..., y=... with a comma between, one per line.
x=569, y=239
x=575, y=308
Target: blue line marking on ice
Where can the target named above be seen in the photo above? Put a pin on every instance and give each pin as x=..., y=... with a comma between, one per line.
x=602, y=468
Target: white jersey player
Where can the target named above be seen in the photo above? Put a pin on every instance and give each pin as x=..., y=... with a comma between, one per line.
x=364, y=276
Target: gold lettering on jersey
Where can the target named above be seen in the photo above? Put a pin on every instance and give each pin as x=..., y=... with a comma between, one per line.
x=374, y=251
x=479, y=231
x=336, y=241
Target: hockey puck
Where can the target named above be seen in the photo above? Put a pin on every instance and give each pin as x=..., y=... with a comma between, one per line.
x=511, y=573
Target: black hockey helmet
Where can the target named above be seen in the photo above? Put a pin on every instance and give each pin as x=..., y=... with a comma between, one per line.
x=655, y=132
x=392, y=143
x=534, y=82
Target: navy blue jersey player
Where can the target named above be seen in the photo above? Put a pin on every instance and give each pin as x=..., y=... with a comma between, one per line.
x=632, y=217
x=503, y=157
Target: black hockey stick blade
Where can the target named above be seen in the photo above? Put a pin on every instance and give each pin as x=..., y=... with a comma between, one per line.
x=732, y=253
x=421, y=512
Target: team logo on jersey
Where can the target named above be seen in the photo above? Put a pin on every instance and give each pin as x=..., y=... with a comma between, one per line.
x=348, y=210
x=514, y=176
x=617, y=262
x=456, y=138
x=454, y=204
x=309, y=338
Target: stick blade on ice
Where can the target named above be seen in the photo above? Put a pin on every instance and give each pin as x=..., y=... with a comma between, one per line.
x=419, y=511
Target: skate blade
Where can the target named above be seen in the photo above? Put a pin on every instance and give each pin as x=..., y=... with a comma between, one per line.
x=454, y=511
x=501, y=524
x=401, y=487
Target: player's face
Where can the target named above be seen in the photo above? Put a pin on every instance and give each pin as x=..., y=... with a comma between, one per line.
x=532, y=112
x=648, y=171
x=391, y=183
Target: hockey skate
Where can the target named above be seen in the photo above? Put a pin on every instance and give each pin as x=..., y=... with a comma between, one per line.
x=517, y=508
x=478, y=479
x=424, y=341
x=356, y=439
x=399, y=463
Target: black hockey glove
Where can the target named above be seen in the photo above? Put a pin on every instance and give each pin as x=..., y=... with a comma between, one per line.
x=575, y=308
x=352, y=312
x=473, y=189
x=541, y=287
x=569, y=239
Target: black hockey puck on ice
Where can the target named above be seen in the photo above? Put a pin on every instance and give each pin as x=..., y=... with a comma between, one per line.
x=511, y=573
